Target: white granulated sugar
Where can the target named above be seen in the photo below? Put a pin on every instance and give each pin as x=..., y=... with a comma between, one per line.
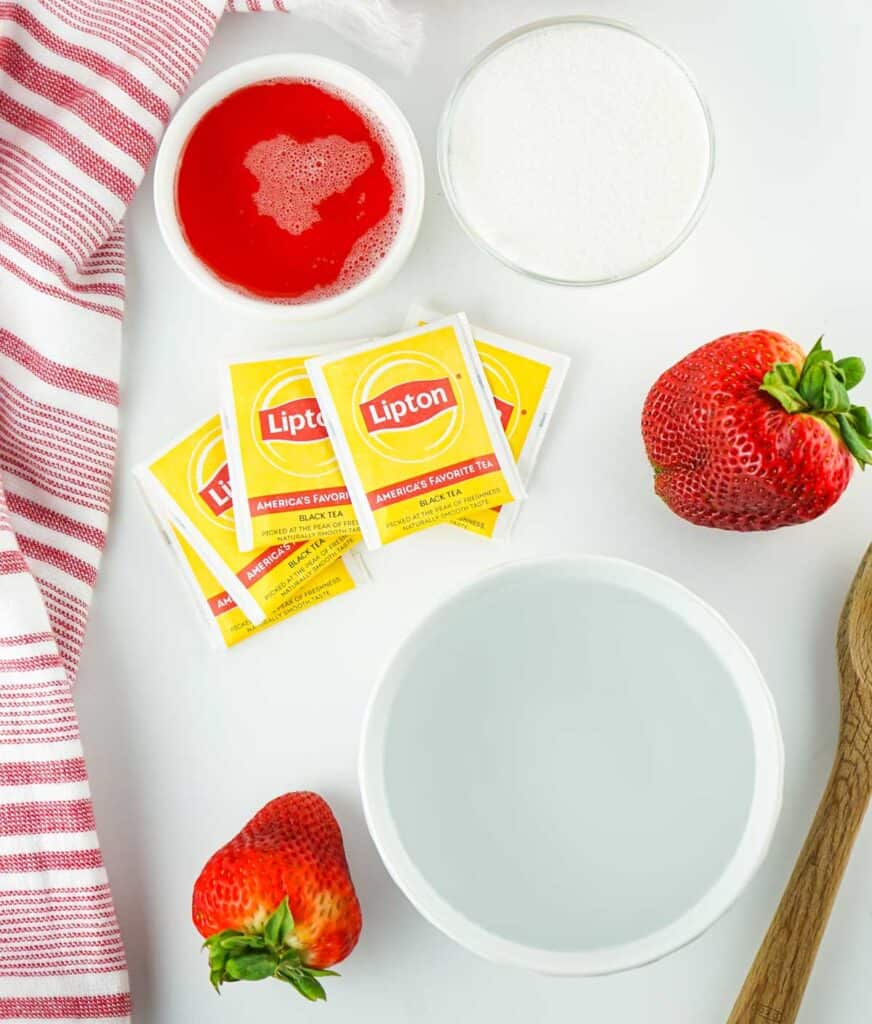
x=579, y=152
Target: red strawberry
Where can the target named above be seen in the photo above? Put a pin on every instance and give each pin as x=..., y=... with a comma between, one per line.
x=277, y=901
x=746, y=433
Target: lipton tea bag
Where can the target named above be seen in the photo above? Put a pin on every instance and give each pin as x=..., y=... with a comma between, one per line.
x=525, y=381
x=225, y=620
x=283, y=470
x=415, y=430
x=188, y=484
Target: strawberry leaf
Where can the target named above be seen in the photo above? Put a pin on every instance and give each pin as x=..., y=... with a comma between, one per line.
x=784, y=373
x=291, y=958
x=271, y=953
x=857, y=445
x=251, y=966
x=861, y=420
x=276, y=926
x=308, y=986
x=217, y=962
x=821, y=389
x=818, y=354
x=834, y=394
x=241, y=943
x=811, y=385
x=218, y=938
x=853, y=371
x=288, y=925
x=791, y=400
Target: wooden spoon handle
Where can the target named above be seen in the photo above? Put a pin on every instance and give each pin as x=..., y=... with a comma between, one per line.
x=776, y=982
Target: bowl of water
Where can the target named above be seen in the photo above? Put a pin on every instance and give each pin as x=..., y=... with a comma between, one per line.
x=572, y=766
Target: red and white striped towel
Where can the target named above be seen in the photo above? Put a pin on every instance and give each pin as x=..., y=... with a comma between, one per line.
x=86, y=87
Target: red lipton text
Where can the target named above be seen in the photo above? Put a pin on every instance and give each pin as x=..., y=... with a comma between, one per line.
x=408, y=405
x=216, y=492
x=299, y=420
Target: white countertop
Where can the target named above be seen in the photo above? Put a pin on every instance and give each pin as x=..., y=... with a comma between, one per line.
x=184, y=744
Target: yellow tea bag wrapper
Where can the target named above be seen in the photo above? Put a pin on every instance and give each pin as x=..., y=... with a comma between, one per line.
x=225, y=620
x=284, y=474
x=525, y=381
x=415, y=430
x=188, y=484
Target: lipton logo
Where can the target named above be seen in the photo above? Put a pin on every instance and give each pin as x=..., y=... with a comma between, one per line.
x=505, y=409
x=298, y=420
x=208, y=479
x=216, y=491
x=504, y=388
x=408, y=405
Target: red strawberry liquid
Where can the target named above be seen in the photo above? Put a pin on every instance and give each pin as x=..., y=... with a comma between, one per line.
x=287, y=191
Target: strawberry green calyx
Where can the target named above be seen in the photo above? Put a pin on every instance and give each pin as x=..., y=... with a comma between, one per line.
x=821, y=389
x=270, y=953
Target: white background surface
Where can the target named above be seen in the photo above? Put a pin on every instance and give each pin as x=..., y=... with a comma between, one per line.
x=183, y=744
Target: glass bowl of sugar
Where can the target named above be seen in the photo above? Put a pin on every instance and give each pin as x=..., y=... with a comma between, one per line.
x=577, y=151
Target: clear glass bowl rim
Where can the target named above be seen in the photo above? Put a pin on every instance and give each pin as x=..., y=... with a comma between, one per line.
x=447, y=120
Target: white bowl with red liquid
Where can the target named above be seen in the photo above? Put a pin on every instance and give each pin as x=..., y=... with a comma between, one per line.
x=362, y=95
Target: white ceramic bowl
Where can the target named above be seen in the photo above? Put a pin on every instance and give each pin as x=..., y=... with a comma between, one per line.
x=572, y=766
x=290, y=65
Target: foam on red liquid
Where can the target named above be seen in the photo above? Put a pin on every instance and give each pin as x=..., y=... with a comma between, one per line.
x=287, y=190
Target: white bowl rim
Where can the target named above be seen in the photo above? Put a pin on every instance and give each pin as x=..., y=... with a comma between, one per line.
x=289, y=65
x=753, y=845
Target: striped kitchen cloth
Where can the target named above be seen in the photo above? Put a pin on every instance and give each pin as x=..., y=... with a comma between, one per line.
x=86, y=87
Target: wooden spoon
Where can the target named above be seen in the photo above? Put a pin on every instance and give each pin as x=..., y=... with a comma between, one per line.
x=777, y=979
